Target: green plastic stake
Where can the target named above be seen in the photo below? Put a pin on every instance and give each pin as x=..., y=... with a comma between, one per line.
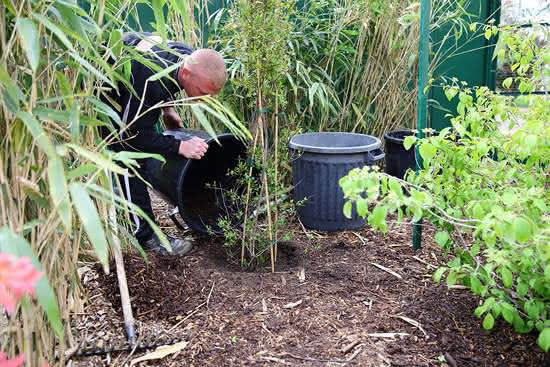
x=422, y=112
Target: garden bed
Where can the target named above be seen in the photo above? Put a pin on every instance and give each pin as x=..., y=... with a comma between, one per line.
x=329, y=302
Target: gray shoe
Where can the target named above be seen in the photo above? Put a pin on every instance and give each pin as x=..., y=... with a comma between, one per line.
x=180, y=246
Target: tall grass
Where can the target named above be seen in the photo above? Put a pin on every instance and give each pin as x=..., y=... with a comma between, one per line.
x=55, y=172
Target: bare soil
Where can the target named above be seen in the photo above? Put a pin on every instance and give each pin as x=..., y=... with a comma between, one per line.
x=361, y=299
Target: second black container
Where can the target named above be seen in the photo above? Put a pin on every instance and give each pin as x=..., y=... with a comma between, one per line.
x=398, y=159
x=320, y=160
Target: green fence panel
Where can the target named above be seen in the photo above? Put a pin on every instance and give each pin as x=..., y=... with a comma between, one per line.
x=469, y=59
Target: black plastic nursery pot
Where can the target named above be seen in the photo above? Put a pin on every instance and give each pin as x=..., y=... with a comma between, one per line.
x=320, y=160
x=398, y=159
x=196, y=187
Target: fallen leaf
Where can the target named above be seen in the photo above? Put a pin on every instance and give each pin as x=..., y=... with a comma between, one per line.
x=160, y=352
x=302, y=275
x=293, y=304
x=264, y=305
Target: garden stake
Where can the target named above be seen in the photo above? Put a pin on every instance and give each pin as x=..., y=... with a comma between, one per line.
x=423, y=57
x=123, y=284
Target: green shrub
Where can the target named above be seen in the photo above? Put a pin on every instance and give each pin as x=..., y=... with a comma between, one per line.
x=484, y=180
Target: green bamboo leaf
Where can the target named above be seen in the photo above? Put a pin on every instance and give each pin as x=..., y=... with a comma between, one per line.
x=73, y=21
x=30, y=41
x=122, y=203
x=57, y=184
x=81, y=171
x=75, y=123
x=54, y=29
x=39, y=135
x=544, y=339
x=91, y=69
x=106, y=110
x=158, y=7
x=197, y=111
x=97, y=158
x=16, y=245
x=10, y=91
x=87, y=212
x=165, y=72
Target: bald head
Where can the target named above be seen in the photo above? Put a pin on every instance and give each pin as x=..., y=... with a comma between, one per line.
x=203, y=73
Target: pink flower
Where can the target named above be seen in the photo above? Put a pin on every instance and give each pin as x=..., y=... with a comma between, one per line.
x=16, y=362
x=17, y=278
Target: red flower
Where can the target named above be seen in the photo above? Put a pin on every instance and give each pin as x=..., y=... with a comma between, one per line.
x=16, y=362
x=17, y=278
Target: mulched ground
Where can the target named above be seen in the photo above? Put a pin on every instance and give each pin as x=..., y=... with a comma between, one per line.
x=328, y=304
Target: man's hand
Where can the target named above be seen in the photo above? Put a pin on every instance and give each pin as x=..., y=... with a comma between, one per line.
x=171, y=118
x=194, y=148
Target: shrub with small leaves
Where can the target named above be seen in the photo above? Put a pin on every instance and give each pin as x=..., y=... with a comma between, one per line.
x=486, y=178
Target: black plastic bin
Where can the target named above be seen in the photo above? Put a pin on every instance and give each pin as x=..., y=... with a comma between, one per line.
x=185, y=182
x=398, y=159
x=320, y=160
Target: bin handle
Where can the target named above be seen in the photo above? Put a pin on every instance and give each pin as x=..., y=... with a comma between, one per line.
x=176, y=221
x=376, y=157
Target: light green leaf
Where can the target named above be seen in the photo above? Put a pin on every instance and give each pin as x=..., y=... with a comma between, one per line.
x=378, y=217
x=442, y=238
x=427, y=151
x=450, y=93
x=544, y=339
x=507, y=83
x=97, y=158
x=347, y=209
x=451, y=278
x=362, y=207
x=30, y=41
x=438, y=274
x=488, y=321
x=547, y=272
x=87, y=212
x=522, y=288
x=508, y=313
x=409, y=141
x=507, y=276
x=16, y=245
x=57, y=184
x=476, y=285
x=39, y=135
x=522, y=229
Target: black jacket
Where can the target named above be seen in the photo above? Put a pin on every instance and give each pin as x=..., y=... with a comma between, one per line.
x=141, y=135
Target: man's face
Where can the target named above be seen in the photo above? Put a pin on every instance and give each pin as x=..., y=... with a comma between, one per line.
x=199, y=85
